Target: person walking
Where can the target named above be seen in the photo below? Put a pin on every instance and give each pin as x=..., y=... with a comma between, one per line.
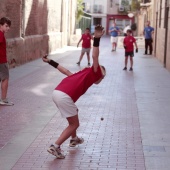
x=148, y=32
x=5, y=24
x=86, y=45
x=70, y=89
x=114, y=31
x=128, y=42
x=125, y=30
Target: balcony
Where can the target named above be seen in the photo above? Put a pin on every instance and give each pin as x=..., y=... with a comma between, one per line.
x=98, y=9
x=146, y=1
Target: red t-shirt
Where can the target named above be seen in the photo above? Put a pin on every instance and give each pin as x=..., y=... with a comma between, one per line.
x=3, y=58
x=86, y=40
x=128, y=42
x=77, y=84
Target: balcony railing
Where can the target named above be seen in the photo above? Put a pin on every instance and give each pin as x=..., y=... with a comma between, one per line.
x=146, y=1
x=98, y=9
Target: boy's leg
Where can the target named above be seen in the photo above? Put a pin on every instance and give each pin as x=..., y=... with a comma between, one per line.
x=88, y=57
x=81, y=56
x=70, y=130
x=131, y=61
x=147, y=45
x=126, y=61
x=150, y=47
x=4, y=89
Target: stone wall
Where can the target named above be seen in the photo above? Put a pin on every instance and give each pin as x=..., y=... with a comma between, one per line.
x=161, y=33
x=38, y=27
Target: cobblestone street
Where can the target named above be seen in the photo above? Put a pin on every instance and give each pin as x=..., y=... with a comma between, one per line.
x=134, y=134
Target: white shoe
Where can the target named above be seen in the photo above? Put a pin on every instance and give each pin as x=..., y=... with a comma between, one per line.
x=5, y=102
x=56, y=152
x=74, y=142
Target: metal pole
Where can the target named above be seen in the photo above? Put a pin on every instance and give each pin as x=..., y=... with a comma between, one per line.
x=166, y=34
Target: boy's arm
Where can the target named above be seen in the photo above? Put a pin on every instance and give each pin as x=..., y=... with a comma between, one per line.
x=124, y=43
x=57, y=66
x=79, y=41
x=95, y=52
x=136, y=46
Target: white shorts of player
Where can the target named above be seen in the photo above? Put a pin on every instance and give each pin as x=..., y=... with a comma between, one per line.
x=85, y=50
x=113, y=39
x=64, y=103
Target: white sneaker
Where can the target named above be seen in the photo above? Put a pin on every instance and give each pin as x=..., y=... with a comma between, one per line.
x=5, y=102
x=56, y=152
x=74, y=142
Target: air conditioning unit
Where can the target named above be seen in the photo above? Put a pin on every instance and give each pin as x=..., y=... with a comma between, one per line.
x=121, y=8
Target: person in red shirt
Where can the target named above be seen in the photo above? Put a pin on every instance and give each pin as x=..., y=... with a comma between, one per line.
x=5, y=24
x=86, y=45
x=70, y=89
x=129, y=42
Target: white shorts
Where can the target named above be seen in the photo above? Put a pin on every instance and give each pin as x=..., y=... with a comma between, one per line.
x=85, y=50
x=64, y=103
x=113, y=39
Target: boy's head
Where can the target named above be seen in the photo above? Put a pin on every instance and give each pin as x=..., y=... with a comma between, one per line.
x=5, y=24
x=129, y=32
x=148, y=23
x=87, y=30
x=103, y=70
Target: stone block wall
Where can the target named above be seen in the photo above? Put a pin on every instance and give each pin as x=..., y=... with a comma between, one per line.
x=37, y=27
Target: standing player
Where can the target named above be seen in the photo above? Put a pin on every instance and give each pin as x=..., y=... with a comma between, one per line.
x=148, y=31
x=128, y=42
x=86, y=45
x=70, y=89
x=5, y=24
x=114, y=31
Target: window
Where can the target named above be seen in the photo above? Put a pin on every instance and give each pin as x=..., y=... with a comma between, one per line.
x=97, y=21
x=111, y=3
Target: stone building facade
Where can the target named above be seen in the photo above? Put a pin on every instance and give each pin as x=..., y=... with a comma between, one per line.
x=162, y=31
x=38, y=27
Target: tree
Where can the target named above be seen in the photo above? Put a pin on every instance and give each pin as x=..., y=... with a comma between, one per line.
x=79, y=12
x=135, y=5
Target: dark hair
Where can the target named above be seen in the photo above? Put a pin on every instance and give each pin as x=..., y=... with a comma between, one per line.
x=88, y=29
x=5, y=20
x=130, y=31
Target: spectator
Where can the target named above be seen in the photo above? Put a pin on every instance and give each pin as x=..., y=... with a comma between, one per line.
x=148, y=32
x=5, y=24
x=114, y=31
x=128, y=43
x=86, y=45
x=125, y=30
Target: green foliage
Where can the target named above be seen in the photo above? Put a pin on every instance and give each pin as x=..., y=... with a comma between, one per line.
x=79, y=12
x=135, y=5
x=125, y=3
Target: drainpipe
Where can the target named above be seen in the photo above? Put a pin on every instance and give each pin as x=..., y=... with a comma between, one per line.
x=156, y=32
x=166, y=33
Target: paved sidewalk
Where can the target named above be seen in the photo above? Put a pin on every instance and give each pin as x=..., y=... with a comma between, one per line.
x=134, y=134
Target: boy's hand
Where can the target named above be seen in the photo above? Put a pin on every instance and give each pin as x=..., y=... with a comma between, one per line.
x=98, y=31
x=45, y=59
x=136, y=50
